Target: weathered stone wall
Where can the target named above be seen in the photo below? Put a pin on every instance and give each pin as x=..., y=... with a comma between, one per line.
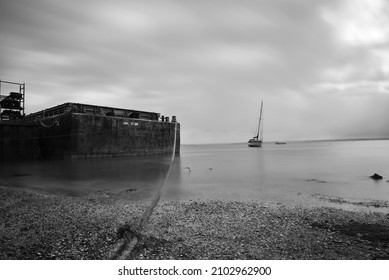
x=56, y=136
x=19, y=141
x=88, y=136
x=72, y=136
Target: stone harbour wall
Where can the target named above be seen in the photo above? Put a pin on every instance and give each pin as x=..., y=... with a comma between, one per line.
x=19, y=141
x=89, y=136
x=74, y=136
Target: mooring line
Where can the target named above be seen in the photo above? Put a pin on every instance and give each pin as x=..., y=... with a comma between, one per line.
x=130, y=234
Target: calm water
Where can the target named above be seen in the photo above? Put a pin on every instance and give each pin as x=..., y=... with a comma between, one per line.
x=296, y=173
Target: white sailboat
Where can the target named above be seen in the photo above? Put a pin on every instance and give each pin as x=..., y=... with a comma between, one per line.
x=257, y=140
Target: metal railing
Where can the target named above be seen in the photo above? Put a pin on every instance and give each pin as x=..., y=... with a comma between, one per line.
x=12, y=105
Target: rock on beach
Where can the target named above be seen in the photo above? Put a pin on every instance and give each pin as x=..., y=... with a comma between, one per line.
x=376, y=176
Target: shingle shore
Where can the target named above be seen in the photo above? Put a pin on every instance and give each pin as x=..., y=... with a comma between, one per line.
x=38, y=225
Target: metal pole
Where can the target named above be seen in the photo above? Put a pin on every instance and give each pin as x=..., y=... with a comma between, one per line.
x=0, y=102
x=24, y=97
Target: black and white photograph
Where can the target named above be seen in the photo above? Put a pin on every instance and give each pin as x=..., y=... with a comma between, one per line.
x=194, y=130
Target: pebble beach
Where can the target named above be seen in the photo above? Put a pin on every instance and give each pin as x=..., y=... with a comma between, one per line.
x=39, y=225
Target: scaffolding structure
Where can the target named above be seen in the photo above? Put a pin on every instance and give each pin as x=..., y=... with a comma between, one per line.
x=12, y=103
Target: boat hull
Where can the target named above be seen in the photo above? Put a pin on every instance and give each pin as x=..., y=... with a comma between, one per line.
x=255, y=143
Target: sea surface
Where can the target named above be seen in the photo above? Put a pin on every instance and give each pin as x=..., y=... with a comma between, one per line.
x=298, y=173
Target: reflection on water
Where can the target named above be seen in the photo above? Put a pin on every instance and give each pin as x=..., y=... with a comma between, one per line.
x=298, y=172
x=76, y=177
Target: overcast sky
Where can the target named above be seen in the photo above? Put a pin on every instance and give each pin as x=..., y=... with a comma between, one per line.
x=321, y=67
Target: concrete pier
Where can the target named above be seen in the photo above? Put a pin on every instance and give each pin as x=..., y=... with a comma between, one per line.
x=73, y=131
x=19, y=141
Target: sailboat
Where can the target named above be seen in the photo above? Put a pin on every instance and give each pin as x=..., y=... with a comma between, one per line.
x=256, y=141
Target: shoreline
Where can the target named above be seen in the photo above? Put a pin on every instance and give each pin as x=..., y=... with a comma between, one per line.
x=39, y=225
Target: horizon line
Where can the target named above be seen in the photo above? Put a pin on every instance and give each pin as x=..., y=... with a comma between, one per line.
x=304, y=140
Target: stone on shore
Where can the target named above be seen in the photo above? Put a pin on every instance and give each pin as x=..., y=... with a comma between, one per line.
x=50, y=226
x=376, y=177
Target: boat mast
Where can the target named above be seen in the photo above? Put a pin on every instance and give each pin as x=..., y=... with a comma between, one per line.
x=259, y=123
x=261, y=129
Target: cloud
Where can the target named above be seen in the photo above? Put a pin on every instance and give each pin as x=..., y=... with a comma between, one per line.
x=361, y=22
x=208, y=62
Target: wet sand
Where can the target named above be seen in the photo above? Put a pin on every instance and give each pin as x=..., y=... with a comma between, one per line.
x=39, y=225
